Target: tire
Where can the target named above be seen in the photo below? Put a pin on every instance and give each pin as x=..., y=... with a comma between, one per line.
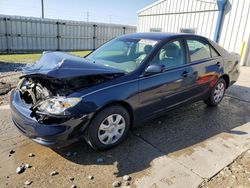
x=217, y=93
x=108, y=128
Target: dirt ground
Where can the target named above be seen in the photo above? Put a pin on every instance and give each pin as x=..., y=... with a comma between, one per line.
x=173, y=134
x=236, y=174
x=9, y=73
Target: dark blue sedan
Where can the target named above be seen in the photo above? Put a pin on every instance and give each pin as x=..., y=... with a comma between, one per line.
x=123, y=83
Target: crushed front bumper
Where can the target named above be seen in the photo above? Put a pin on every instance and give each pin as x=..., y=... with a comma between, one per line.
x=51, y=135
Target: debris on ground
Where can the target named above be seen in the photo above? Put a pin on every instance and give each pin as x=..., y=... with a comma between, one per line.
x=126, y=178
x=8, y=76
x=116, y=183
x=31, y=155
x=100, y=160
x=90, y=177
x=11, y=152
x=4, y=88
x=20, y=169
x=27, y=166
x=71, y=178
x=127, y=183
x=27, y=182
x=54, y=173
x=73, y=186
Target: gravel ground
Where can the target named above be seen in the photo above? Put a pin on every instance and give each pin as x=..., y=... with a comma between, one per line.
x=9, y=73
x=236, y=174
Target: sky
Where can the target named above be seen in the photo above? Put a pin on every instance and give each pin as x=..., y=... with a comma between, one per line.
x=114, y=11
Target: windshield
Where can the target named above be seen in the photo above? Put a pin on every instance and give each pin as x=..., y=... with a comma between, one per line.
x=123, y=54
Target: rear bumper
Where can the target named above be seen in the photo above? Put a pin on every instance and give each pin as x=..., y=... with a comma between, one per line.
x=51, y=135
x=233, y=68
x=234, y=76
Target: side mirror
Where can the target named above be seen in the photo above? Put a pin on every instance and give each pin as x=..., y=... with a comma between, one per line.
x=153, y=69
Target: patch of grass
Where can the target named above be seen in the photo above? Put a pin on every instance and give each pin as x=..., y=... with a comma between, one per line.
x=19, y=58
x=80, y=53
x=30, y=58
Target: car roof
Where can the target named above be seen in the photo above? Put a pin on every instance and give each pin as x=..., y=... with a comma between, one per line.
x=156, y=35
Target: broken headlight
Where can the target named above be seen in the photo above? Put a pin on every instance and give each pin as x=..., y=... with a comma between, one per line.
x=57, y=105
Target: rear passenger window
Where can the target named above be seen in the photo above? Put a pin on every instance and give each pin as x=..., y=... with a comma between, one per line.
x=198, y=50
x=213, y=52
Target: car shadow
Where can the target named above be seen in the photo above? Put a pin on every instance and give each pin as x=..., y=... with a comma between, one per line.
x=10, y=67
x=174, y=131
x=240, y=92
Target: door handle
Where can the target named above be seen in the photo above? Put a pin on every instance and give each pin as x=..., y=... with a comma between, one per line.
x=218, y=64
x=185, y=74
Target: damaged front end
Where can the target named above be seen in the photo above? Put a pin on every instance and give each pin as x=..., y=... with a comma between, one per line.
x=42, y=104
x=48, y=96
x=47, y=99
x=47, y=84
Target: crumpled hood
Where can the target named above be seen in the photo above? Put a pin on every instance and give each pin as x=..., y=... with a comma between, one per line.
x=62, y=65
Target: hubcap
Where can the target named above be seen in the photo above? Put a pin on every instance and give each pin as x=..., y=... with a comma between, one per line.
x=219, y=92
x=111, y=129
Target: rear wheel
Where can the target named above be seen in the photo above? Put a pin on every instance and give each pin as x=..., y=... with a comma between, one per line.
x=108, y=128
x=217, y=93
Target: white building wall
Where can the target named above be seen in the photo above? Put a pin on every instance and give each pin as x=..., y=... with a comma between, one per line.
x=172, y=15
x=236, y=26
x=200, y=15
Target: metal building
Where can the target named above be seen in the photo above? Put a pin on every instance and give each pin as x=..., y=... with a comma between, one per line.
x=225, y=21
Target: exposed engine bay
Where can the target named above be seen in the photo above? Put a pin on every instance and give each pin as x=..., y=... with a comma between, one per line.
x=37, y=88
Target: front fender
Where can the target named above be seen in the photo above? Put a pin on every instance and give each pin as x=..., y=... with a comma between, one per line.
x=127, y=92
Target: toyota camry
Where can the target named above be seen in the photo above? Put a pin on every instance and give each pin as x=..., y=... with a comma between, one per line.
x=133, y=78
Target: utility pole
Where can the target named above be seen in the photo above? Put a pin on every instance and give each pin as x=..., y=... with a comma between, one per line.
x=87, y=16
x=110, y=18
x=42, y=9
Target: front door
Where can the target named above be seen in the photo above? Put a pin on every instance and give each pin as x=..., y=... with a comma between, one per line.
x=160, y=91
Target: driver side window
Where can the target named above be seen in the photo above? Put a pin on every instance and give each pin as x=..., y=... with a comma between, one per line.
x=170, y=55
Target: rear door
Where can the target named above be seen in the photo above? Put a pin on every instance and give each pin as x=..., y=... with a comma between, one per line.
x=206, y=64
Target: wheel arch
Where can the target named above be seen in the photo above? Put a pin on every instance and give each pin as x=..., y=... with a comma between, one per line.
x=227, y=79
x=123, y=104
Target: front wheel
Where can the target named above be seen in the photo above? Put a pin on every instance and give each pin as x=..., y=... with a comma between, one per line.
x=108, y=128
x=217, y=93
